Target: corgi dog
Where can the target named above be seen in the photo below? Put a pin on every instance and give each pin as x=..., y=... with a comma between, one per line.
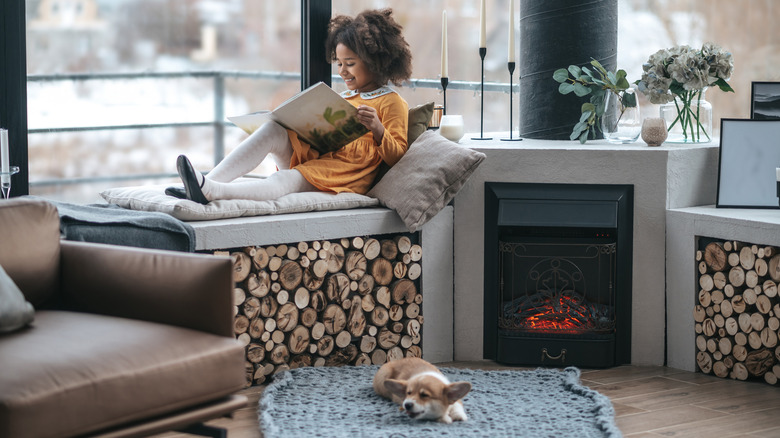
x=421, y=390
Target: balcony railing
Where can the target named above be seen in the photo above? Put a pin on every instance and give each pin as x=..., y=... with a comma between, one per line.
x=217, y=122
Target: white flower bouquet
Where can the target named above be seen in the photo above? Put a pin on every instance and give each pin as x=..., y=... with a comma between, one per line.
x=680, y=75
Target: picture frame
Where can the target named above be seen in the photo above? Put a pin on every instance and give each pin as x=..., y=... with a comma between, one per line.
x=765, y=100
x=748, y=161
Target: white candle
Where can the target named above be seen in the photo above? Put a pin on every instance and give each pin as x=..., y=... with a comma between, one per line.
x=4, y=165
x=444, y=72
x=511, y=31
x=482, y=31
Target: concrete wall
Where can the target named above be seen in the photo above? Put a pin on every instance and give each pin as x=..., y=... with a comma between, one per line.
x=669, y=176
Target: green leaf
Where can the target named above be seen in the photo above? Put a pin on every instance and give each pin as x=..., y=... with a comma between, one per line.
x=629, y=100
x=584, y=117
x=584, y=137
x=723, y=85
x=621, y=74
x=581, y=90
x=575, y=71
x=587, y=71
x=587, y=106
x=622, y=83
x=612, y=78
x=599, y=67
x=561, y=75
x=565, y=88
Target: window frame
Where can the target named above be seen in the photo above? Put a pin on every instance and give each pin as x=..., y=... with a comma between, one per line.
x=13, y=89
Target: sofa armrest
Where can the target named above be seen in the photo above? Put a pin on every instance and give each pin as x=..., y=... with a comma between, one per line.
x=182, y=289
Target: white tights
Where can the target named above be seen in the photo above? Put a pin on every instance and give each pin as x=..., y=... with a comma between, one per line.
x=271, y=139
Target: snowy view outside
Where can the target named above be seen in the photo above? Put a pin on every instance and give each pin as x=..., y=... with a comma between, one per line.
x=96, y=39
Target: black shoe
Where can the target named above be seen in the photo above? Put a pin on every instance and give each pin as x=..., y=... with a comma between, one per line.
x=176, y=192
x=190, y=179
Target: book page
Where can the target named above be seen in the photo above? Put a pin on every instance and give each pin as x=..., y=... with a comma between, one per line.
x=251, y=122
x=321, y=117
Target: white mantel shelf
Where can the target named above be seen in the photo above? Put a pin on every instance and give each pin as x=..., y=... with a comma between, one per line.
x=566, y=145
x=667, y=177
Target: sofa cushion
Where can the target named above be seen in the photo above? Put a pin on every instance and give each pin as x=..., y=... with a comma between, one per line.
x=52, y=385
x=15, y=311
x=31, y=253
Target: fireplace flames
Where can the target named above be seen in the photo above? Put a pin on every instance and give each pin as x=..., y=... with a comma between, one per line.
x=560, y=314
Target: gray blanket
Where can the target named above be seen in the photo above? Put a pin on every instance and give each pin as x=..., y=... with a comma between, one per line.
x=109, y=223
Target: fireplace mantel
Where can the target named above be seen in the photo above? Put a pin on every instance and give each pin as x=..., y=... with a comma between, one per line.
x=665, y=177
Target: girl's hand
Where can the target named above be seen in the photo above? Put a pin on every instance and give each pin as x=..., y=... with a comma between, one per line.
x=368, y=117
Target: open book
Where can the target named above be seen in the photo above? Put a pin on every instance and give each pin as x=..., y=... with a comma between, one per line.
x=319, y=115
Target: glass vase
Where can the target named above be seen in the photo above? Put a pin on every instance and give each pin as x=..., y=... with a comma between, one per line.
x=621, y=122
x=688, y=118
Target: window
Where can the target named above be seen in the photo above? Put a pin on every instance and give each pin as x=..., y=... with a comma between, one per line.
x=130, y=65
x=118, y=88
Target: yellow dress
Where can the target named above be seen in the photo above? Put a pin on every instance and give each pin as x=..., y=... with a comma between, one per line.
x=353, y=167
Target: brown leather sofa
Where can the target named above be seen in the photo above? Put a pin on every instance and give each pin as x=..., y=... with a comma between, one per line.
x=125, y=341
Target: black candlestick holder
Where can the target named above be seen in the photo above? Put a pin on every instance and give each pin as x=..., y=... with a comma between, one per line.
x=444, y=81
x=5, y=181
x=482, y=53
x=778, y=192
x=511, y=66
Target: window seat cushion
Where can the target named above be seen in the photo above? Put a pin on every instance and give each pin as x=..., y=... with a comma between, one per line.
x=153, y=198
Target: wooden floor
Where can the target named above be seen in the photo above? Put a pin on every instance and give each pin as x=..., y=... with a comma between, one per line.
x=648, y=401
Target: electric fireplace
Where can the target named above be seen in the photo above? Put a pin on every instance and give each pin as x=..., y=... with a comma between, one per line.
x=558, y=274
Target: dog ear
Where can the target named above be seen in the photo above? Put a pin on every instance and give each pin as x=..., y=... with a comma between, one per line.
x=456, y=391
x=397, y=387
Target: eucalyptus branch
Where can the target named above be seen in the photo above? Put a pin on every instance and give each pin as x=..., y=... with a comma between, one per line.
x=583, y=81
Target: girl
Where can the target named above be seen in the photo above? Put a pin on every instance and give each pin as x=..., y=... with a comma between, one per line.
x=369, y=51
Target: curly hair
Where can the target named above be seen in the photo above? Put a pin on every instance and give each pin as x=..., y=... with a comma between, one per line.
x=377, y=40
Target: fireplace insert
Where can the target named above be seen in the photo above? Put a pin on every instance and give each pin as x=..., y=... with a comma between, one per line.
x=558, y=274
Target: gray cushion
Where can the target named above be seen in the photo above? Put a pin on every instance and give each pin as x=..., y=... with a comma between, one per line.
x=15, y=311
x=153, y=198
x=426, y=179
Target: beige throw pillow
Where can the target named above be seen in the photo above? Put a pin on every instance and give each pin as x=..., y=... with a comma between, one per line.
x=15, y=311
x=426, y=179
x=419, y=119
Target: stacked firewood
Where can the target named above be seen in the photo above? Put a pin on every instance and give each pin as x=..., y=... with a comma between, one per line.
x=737, y=318
x=327, y=303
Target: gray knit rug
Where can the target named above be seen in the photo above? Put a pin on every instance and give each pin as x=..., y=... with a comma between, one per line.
x=340, y=402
